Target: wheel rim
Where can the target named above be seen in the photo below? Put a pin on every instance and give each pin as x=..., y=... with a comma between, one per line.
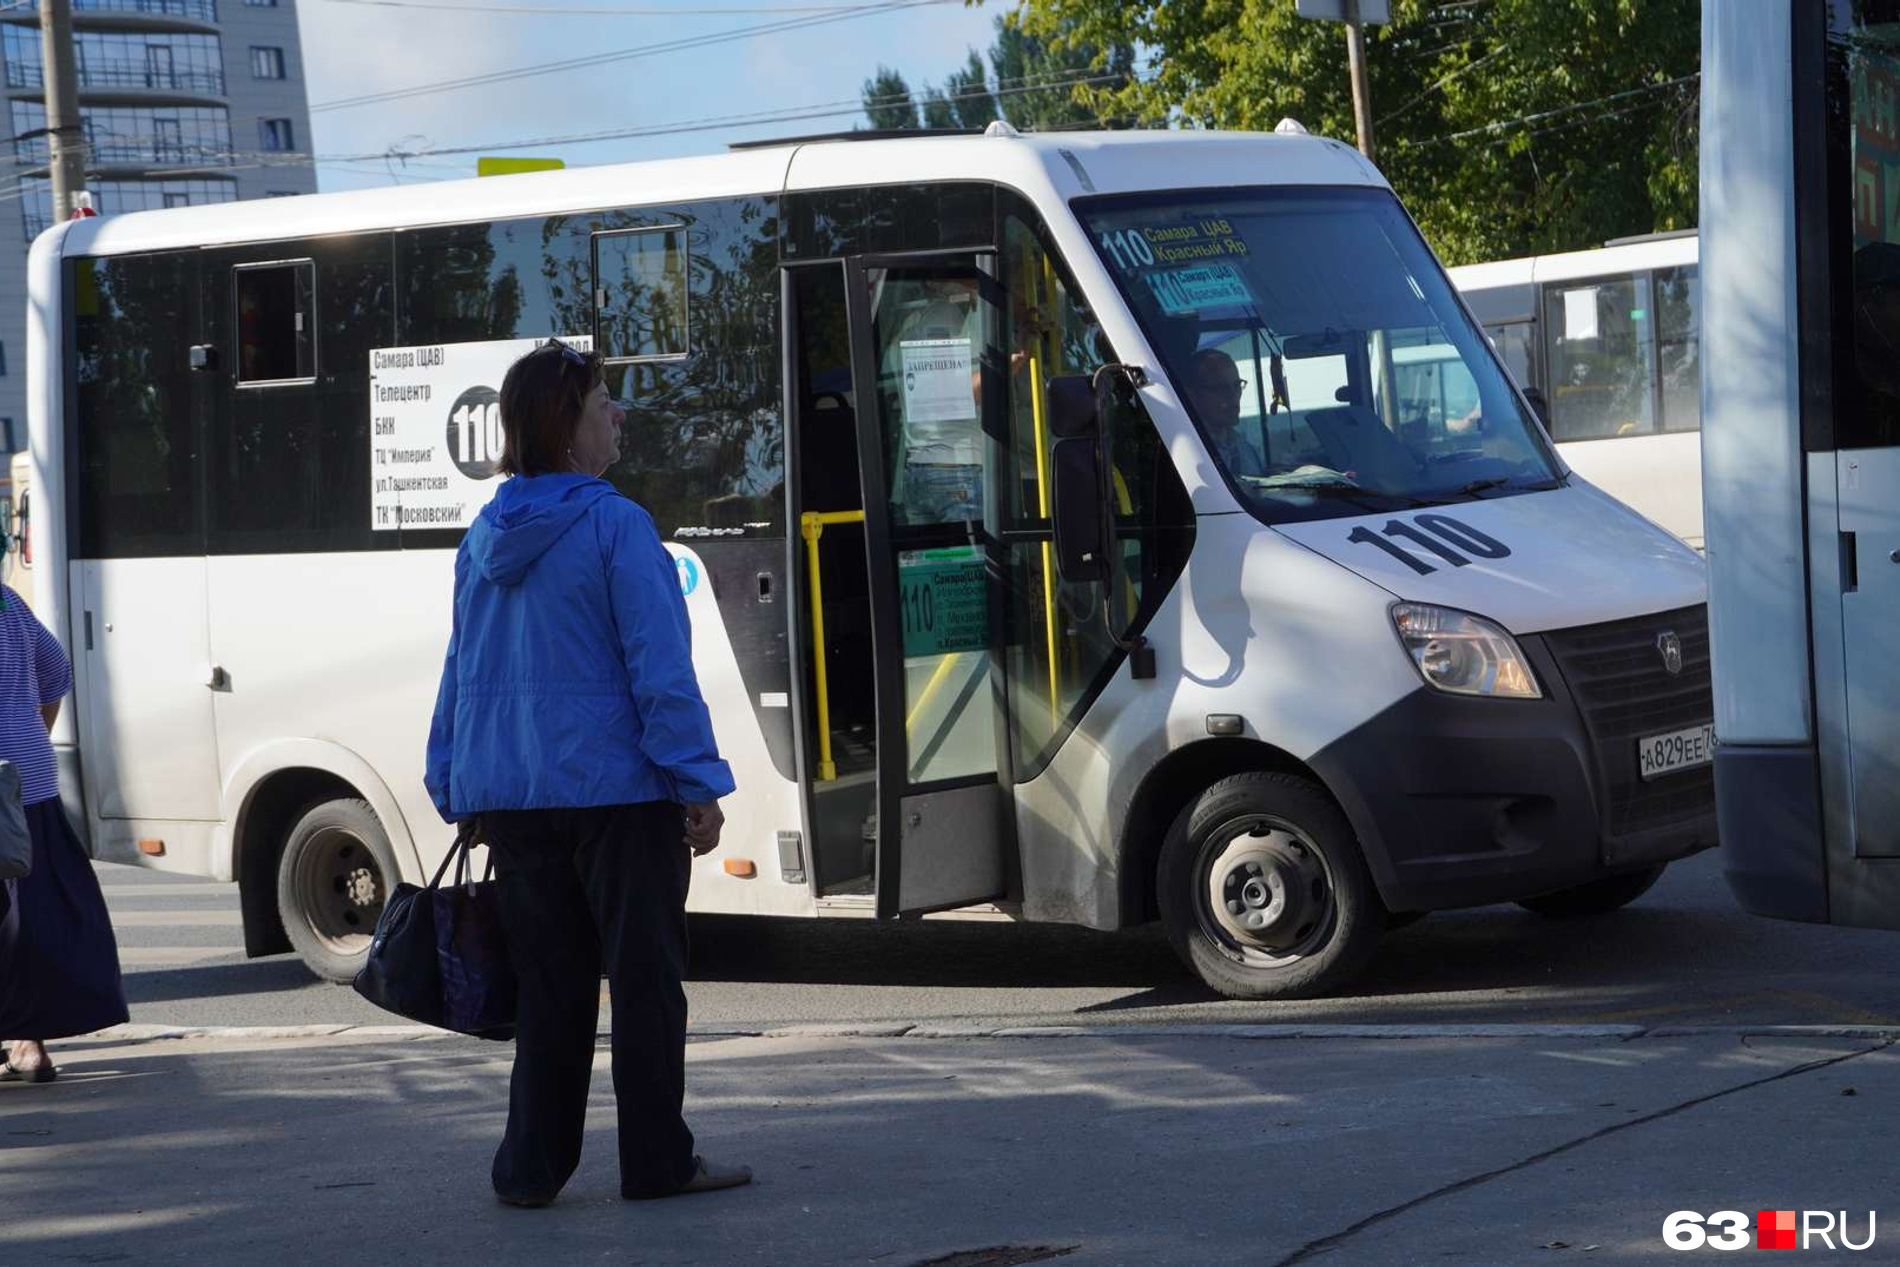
x=339, y=889
x=1264, y=893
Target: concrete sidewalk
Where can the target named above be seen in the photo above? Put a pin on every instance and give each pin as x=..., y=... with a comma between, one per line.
x=1171, y=1147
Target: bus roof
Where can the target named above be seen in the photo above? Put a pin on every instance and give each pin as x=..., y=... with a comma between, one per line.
x=1052, y=164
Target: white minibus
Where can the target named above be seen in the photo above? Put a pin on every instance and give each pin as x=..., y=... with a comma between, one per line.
x=1277, y=676
x=1604, y=345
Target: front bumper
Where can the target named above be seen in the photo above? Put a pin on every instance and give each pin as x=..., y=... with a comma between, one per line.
x=1462, y=802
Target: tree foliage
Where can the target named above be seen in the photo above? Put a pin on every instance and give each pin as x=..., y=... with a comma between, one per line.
x=887, y=100
x=1035, y=86
x=1508, y=126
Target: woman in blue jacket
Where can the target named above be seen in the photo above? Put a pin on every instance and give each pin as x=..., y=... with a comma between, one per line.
x=569, y=720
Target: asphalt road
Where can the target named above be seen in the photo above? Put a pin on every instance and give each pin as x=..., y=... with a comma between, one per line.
x=1683, y=954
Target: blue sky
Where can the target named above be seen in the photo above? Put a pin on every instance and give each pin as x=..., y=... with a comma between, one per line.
x=352, y=49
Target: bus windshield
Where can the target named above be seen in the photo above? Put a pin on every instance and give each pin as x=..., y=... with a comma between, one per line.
x=1320, y=350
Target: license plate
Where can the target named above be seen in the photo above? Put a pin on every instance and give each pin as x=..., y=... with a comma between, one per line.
x=1658, y=755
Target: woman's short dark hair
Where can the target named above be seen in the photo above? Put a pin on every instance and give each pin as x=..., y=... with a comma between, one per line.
x=542, y=397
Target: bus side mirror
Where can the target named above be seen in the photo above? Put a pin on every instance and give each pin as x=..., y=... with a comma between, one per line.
x=1078, y=501
x=1073, y=410
x=1080, y=509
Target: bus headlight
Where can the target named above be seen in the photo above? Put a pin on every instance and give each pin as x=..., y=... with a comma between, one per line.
x=1464, y=654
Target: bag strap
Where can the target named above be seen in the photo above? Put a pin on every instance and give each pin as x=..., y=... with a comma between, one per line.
x=464, y=840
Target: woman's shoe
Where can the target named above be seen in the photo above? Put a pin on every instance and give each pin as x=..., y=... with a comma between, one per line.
x=706, y=1178
x=38, y=1073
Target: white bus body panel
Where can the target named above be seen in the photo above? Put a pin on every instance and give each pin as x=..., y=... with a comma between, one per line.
x=1751, y=458
x=1578, y=557
x=1258, y=626
x=146, y=688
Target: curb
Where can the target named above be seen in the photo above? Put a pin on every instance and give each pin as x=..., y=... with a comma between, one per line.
x=1262, y=1032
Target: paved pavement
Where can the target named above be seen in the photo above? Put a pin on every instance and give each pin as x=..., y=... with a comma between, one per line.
x=1684, y=954
x=1168, y=1147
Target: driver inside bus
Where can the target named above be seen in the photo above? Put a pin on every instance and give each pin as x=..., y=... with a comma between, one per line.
x=1215, y=386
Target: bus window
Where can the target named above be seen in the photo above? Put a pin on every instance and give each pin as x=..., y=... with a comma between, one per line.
x=640, y=294
x=1516, y=345
x=1602, y=359
x=1061, y=649
x=1677, y=352
x=276, y=322
x=138, y=440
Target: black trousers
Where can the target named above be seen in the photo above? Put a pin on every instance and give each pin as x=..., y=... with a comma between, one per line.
x=584, y=890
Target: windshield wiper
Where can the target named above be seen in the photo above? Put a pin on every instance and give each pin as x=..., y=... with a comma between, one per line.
x=1478, y=486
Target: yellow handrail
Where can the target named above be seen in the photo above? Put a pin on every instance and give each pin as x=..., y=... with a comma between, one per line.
x=1043, y=289
x=811, y=526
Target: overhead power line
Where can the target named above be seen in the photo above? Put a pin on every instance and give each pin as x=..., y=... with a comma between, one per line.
x=692, y=11
x=625, y=54
x=1506, y=125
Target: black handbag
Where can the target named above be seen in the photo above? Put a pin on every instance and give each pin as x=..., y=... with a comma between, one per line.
x=439, y=955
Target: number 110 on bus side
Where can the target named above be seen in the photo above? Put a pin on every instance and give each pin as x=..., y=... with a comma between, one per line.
x=476, y=432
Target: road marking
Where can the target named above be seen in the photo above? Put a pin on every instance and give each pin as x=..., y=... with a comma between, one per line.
x=192, y=888
x=177, y=919
x=173, y=956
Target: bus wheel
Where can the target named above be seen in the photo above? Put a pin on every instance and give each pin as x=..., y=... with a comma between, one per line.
x=1264, y=892
x=336, y=871
x=1597, y=897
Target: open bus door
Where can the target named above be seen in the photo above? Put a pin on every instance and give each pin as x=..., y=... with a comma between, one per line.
x=929, y=388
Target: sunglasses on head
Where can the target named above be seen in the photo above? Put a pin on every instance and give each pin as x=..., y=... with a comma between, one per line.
x=572, y=355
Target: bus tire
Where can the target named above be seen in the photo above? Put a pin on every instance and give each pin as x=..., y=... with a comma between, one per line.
x=1598, y=897
x=336, y=871
x=1264, y=891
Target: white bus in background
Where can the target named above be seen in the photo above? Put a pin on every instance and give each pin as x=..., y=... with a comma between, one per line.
x=1800, y=196
x=1603, y=342
x=1391, y=672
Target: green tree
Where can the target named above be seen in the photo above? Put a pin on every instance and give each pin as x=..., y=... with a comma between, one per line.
x=1039, y=86
x=1507, y=126
x=1052, y=77
x=887, y=100
x=968, y=91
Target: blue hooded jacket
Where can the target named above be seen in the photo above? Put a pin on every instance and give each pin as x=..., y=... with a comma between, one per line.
x=569, y=677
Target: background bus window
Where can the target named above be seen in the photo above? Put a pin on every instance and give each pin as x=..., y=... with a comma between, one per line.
x=138, y=445
x=641, y=294
x=276, y=322
x=1677, y=295
x=1602, y=354
x=1516, y=344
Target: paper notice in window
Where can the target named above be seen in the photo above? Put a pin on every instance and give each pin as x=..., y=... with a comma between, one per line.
x=1580, y=313
x=936, y=380
x=1186, y=291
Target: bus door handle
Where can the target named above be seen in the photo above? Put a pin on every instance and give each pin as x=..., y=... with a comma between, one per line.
x=217, y=679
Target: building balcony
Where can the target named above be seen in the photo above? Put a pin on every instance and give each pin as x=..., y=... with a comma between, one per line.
x=145, y=15
x=132, y=79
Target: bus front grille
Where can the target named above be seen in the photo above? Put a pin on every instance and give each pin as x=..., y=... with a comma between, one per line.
x=1622, y=684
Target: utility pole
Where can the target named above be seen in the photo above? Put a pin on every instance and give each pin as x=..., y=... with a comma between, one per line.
x=67, y=141
x=1361, y=88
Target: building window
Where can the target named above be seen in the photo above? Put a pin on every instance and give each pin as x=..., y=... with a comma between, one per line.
x=3, y=360
x=281, y=193
x=277, y=322
x=260, y=4
x=7, y=439
x=267, y=63
x=277, y=135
